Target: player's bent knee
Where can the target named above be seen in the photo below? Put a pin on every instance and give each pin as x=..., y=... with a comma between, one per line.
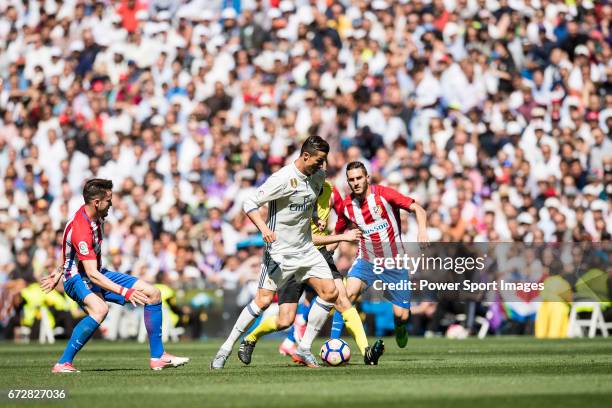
x=334, y=296
x=263, y=299
x=103, y=310
x=96, y=307
x=330, y=295
x=99, y=311
x=263, y=304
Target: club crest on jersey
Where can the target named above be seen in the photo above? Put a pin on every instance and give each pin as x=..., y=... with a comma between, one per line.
x=83, y=248
x=293, y=182
x=378, y=210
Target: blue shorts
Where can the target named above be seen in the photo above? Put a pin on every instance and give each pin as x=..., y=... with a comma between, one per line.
x=364, y=270
x=79, y=286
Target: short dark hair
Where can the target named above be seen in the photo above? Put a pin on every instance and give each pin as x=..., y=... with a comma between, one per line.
x=314, y=144
x=356, y=165
x=96, y=188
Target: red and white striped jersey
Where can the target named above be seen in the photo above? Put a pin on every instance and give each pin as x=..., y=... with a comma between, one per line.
x=82, y=241
x=337, y=202
x=377, y=216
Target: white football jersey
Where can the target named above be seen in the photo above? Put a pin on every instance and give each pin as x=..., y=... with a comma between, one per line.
x=291, y=197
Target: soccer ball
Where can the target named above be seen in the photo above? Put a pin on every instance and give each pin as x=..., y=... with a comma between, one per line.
x=335, y=352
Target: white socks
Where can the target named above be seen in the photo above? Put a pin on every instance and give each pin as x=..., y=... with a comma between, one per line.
x=319, y=312
x=247, y=316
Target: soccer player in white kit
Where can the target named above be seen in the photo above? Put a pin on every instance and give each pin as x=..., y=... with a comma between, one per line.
x=291, y=194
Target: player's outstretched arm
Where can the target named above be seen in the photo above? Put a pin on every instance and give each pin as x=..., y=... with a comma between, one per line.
x=353, y=235
x=421, y=217
x=137, y=297
x=407, y=203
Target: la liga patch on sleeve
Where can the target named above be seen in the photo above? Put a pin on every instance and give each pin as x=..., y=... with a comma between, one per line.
x=83, y=248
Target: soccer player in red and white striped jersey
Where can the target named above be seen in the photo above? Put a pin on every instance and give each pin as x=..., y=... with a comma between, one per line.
x=374, y=209
x=91, y=285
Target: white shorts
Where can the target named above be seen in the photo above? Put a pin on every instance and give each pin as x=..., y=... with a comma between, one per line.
x=277, y=269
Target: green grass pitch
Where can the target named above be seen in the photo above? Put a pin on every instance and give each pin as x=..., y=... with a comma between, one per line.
x=496, y=372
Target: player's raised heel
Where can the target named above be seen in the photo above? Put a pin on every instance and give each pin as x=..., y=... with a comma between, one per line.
x=218, y=363
x=64, y=368
x=305, y=357
x=166, y=361
x=374, y=352
x=245, y=351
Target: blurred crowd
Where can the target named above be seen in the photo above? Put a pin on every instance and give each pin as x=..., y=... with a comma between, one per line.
x=495, y=115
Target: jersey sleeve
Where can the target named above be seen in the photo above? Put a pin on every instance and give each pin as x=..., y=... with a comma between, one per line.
x=342, y=222
x=395, y=198
x=82, y=241
x=274, y=187
x=337, y=201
